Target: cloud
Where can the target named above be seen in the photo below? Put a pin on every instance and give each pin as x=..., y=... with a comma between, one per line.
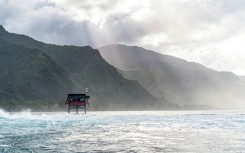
x=204, y=31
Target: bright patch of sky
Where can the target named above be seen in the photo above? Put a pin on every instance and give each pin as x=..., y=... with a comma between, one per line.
x=210, y=32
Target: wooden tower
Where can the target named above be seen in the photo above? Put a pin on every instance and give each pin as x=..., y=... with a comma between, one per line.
x=77, y=101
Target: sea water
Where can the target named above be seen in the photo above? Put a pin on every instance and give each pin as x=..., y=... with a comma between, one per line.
x=147, y=131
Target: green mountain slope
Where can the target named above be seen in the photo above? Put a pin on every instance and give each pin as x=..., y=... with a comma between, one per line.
x=87, y=69
x=30, y=75
x=178, y=81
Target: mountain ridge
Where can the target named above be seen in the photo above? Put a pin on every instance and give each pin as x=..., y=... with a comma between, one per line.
x=150, y=76
x=175, y=79
x=109, y=89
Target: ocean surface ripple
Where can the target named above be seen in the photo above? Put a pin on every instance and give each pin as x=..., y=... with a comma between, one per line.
x=146, y=131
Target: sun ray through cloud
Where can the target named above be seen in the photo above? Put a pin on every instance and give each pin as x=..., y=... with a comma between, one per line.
x=172, y=27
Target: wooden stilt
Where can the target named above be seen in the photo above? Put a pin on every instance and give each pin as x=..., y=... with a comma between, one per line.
x=77, y=110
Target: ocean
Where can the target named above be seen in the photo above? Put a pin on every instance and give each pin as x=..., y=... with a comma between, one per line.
x=132, y=131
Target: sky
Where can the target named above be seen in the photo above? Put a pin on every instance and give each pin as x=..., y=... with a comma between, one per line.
x=209, y=32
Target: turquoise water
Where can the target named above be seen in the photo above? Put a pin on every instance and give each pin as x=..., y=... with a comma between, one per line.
x=160, y=131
